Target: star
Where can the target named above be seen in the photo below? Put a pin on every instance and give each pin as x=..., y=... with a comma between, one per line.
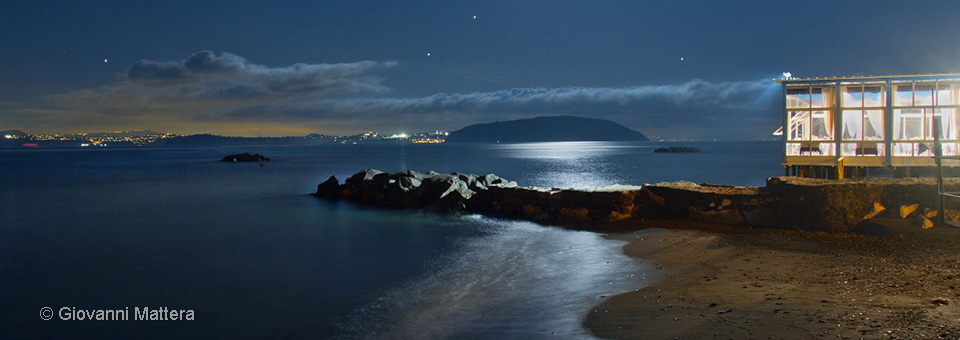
x=474, y=16
x=681, y=58
x=428, y=54
x=105, y=60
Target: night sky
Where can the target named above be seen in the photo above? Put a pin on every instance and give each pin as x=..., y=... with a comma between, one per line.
x=674, y=69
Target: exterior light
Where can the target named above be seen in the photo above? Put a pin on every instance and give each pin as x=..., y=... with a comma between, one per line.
x=787, y=75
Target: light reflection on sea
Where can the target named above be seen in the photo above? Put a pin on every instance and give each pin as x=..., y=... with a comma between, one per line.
x=519, y=281
x=568, y=164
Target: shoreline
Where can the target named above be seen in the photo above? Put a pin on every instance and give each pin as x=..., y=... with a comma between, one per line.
x=746, y=283
x=795, y=259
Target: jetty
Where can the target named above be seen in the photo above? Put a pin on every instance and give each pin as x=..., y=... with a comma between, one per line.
x=783, y=203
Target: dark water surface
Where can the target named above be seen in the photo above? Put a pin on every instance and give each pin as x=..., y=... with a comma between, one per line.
x=254, y=257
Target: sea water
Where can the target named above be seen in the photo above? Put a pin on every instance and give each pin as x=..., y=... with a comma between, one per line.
x=246, y=249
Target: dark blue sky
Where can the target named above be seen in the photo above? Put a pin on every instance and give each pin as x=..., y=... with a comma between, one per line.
x=276, y=68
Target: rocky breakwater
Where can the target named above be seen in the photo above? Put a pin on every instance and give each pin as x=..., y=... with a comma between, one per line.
x=785, y=202
x=486, y=194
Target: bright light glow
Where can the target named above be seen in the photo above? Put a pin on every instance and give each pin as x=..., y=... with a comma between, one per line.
x=8, y=136
x=787, y=75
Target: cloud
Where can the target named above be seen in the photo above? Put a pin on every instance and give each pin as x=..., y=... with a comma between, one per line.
x=694, y=94
x=210, y=88
x=685, y=109
x=223, y=79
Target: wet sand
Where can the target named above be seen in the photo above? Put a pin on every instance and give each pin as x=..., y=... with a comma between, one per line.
x=733, y=283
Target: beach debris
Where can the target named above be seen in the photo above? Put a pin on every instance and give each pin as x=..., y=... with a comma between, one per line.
x=906, y=210
x=725, y=311
x=876, y=210
x=940, y=301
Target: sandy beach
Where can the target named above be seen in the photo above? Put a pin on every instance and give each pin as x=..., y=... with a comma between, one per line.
x=899, y=282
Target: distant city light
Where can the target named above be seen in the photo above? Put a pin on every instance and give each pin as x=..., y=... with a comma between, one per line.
x=8, y=136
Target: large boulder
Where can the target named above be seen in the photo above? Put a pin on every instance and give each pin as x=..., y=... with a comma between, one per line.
x=329, y=189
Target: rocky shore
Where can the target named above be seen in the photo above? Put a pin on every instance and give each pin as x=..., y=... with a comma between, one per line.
x=794, y=259
x=783, y=203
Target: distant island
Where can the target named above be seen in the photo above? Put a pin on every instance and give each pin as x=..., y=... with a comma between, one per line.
x=677, y=149
x=545, y=129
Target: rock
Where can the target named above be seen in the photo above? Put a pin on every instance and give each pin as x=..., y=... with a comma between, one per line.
x=364, y=175
x=877, y=209
x=244, y=157
x=940, y=301
x=726, y=217
x=906, y=210
x=329, y=189
x=951, y=215
x=575, y=214
x=443, y=185
x=677, y=149
x=725, y=203
x=924, y=222
x=408, y=183
x=761, y=217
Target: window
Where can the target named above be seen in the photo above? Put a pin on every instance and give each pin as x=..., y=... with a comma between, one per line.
x=866, y=128
x=799, y=125
x=821, y=125
x=852, y=97
x=873, y=125
x=947, y=120
x=852, y=125
x=873, y=96
x=809, y=117
x=908, y=124
x=945, y=95
x=798, y=97
x=821, y=97
x=923, y=95
x=903, y=95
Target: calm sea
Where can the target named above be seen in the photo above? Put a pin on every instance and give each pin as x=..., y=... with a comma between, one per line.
x=254, y=257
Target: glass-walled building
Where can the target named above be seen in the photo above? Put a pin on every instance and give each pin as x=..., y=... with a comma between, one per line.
x=866, y=122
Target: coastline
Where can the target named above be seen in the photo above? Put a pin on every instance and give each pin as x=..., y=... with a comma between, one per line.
x=743, y=283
